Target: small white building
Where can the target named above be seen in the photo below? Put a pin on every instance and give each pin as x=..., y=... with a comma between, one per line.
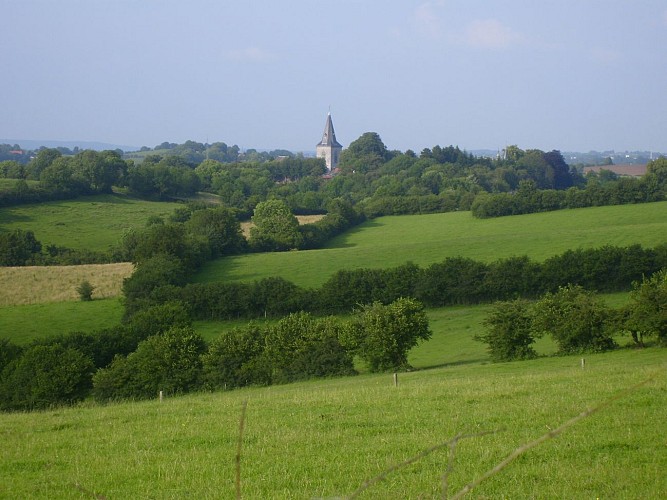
x=329, y=148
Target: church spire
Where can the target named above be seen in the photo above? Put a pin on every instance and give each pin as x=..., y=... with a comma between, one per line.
x=329, y=148
x=329, y=135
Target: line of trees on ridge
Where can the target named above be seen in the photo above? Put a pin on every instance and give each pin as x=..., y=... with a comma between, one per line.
x=375, y=180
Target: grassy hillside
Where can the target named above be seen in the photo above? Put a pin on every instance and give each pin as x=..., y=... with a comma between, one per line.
x=324, y=439
x=23, y=323
x=91, y=222
x=425, y=239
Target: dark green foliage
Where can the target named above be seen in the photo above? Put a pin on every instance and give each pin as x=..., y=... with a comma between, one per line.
x=456, y=280
x=220, y=228
x=153, y=321
x=347, y=289
x=529, y=200
x=604, y=269
x=163, y=178
x=275, y=227
x=646, y=315
x=512, y=277
x=276, y=297
x=453, y=281
x=235, y=359
x=8, y=352
x=149, y=275
x=218, y=300
x=169, y=239
x=382, y=335
x=17, y=247
x=301, y=346
x=509, y=331
x=575, y=319
x=85, y=291
x=170, y=362
x=44, y=376
x=101, y=346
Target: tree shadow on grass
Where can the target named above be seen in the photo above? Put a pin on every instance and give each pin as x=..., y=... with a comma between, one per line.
x=479, y=361
x=342, y=241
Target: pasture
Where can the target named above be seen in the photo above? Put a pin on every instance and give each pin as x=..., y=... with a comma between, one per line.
x=324, y=439
x=24, y=323
x=40, y=284
x=426, y=239
x=87, y=223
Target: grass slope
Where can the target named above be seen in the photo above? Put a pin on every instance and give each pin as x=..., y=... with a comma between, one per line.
x=324, y=439
x=90, y=222
x=21, y=324
x=425, y=239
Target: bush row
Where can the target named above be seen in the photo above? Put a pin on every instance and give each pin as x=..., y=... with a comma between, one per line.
x=577, y=320
x=527, y=199
x=455, y=280
x=159, y=351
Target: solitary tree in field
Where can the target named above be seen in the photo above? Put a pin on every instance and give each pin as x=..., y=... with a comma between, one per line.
x=382, y=335
x=646, y=315
x=575, y=318
x=509, y=332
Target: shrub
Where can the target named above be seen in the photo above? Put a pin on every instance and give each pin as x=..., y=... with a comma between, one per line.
x=235, y=359
x=509, y=331
x=169, y=362
x=44, y=376
x=575, y=318
x=382, y=335
x=647, y=311
x=85, y=291
x=301, y=346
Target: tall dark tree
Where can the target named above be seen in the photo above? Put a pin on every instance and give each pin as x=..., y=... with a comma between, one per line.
x=562, y=179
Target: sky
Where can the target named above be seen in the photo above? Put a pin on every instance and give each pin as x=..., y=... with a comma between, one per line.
x=572, y=75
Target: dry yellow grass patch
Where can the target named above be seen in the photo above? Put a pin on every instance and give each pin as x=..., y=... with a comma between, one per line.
x=303, y=219
x=37, y=284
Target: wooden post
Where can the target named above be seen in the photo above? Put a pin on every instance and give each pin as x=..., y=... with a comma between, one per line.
x=583, y=363
x=395, y=379
x=160, y=396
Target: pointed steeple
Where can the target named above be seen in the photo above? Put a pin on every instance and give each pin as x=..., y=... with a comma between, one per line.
x=329, y=135
x=329, y=148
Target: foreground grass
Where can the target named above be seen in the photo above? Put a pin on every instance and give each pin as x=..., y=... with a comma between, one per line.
x=425, y=239
x=324, y=439
x=87, y=223
x=22, y=324
x=40, y=284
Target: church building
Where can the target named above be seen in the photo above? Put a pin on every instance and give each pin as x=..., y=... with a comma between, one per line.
x=329, y=148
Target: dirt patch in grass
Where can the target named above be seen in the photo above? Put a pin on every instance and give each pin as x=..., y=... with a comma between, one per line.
x=38, y=284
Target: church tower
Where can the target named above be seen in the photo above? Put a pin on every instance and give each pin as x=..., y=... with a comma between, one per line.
x=329, y=148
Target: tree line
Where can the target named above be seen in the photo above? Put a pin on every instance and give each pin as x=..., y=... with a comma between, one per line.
x=600, y=190
x=577, y=320
x=375, y=180
x=454, y=281
x=157, y=350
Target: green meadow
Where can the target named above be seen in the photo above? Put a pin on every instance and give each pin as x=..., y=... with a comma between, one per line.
x=324, y=439
x=87, y=223
x=24, y=323
x=426, y=239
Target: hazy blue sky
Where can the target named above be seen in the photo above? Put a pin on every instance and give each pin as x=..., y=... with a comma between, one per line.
x=567, y=74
